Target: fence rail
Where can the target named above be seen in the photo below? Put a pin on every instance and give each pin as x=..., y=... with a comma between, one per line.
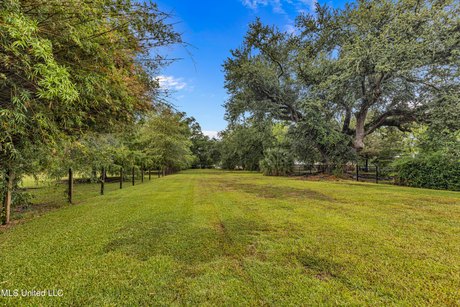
x=367, y=173
x=78, y=186
x=39, y=194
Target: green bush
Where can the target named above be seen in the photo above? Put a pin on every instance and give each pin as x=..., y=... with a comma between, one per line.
x=435, y=171
x=277, y=162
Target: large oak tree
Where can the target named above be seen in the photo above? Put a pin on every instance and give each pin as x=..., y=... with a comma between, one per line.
x=372, y=64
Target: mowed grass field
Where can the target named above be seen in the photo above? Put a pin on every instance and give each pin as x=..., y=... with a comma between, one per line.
x=235, y=238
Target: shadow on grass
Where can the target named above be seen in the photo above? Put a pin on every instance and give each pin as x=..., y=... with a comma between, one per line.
x=321, y=268
x=276, y=192
x=186, y=242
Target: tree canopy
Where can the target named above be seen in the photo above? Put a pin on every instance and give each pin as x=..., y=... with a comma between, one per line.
x=68, y=68
x=343, y=74
x=73, y=66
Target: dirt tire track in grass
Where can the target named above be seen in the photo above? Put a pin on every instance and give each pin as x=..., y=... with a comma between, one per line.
x=226, y=241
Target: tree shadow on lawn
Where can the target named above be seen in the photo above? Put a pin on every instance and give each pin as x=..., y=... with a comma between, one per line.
x=186, y=242
x=275, y=192
x=321, y=268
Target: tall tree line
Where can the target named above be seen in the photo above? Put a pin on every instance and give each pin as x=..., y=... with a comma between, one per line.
x=70, y=68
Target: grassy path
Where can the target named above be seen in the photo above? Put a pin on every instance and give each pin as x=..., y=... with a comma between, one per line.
x=210, y=237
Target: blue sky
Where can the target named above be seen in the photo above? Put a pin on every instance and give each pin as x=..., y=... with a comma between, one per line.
x=213, y=28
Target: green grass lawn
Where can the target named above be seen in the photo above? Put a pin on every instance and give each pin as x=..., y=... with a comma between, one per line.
x=235, y=238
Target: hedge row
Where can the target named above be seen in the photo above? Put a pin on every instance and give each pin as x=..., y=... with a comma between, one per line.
x=435, y=172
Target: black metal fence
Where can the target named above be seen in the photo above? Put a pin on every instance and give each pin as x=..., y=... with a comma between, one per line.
x=122, y=178
x=36, y=196
x=78, y=185
x=367, y=173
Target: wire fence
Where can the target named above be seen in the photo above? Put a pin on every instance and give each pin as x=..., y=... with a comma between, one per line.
x=41, y=195
x=366, y=173
x=108, y=180
x=76, y=187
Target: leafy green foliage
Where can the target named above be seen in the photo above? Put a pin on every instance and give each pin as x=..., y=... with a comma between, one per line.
x=51, y=86
x=277, y=162
x=318, y=139
x=165, y=139
x=384, y=146
x=243, y=145
x=204, y=149
x=352, y=71
x=72, y=68
x=435, y=171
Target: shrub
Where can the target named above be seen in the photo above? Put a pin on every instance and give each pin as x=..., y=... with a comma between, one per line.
x=435, y=171
x=277, y=162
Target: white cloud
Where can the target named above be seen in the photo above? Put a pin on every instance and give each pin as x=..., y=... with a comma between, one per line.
x=171, y=83
x=311, y=4
x=290, y=28
x=211, y=134
x=254, y=4
x=277, y=5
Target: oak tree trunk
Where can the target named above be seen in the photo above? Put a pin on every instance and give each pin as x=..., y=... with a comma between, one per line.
x=358, y=142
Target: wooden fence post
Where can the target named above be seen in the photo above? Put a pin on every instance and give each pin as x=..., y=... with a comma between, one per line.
x=150, y=174
x=142, y=174
x=159, y=173
x=8, y=196
x=102, y=180
x=357, y=172
x=132, y=175
x=376, y=174
x=70, y=186
x=121, y=177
